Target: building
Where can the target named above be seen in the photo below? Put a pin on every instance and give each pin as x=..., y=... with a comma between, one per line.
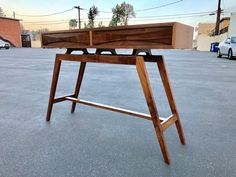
x=232, y=25
x=205, y=34
x=224, y=25
x=10, y=31
x=205, y=28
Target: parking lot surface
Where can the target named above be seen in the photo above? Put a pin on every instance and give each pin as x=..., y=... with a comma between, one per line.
x=99, y=143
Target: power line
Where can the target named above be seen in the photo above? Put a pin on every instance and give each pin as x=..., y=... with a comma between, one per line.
x=101, y=11
x=140, y=17
x=48, y=24
x=189, y=16
x=165, y=18
x=223, y=4
x=46, y=21
x=137, y=20
x=157, y=7
x=173, y=15
x=45, y=15
x=43, y=22
x=147, y=9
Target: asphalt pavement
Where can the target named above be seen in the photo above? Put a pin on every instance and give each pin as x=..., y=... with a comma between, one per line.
x=99, y=143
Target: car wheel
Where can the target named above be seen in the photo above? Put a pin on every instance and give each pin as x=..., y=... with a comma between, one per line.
x=230, y=54
x=219, y=54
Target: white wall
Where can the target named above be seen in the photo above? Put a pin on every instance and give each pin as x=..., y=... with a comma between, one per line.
x=232, y=25
x=204, y=41
x=35, y=44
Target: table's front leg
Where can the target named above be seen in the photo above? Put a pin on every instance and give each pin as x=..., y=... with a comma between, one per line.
x=55, y=77
x=144, y=79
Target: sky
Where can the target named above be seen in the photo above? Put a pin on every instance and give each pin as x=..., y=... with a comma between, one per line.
x=191, y=11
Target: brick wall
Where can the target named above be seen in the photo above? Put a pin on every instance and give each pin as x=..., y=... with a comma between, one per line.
x=10, y=31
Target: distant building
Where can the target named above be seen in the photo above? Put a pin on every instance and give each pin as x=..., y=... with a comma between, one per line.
x=209, y=28
x=10, y=31
x=224, y=25
x=205, y=28
x=206, y=34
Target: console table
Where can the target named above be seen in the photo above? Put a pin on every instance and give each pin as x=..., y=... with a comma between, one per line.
x=140, y=38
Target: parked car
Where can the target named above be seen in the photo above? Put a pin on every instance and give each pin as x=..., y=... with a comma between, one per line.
x=227, y=47
x=4, y=44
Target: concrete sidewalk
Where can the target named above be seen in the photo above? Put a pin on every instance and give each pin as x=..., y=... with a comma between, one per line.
x=94, y=142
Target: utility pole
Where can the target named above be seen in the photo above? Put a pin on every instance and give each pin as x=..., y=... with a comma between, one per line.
x=14, y=14
x=217, y=28
x=79, y=8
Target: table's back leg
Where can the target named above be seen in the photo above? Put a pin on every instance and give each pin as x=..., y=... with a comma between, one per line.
x=56, y=71
x=170, y=97
x=143, y=76
x=78, y=84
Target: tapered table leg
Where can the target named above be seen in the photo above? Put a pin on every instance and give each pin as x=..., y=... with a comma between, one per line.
x=78, y=84
x=170, y=96
x=56, y=71
x=144, y=79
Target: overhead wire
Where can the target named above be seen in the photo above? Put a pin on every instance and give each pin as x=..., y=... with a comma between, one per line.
x=164, y=18
x=146, y=9
x=138, y=18
x=173, y=15
x=157, y=7
x=32, y=22
x=182, y=15
x=102, y=11
x=45, y=15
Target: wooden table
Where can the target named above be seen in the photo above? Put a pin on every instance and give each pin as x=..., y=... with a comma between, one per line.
x=140, y=38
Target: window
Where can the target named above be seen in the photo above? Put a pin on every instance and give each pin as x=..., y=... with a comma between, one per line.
x=233, y=40
x=227, y=40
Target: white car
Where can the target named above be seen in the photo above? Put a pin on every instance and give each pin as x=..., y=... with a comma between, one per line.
x=4, y=44
x=227, y=47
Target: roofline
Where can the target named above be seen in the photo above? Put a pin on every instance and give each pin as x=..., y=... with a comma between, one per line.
x=206, y=23
x=7, y=18
x=225, y=18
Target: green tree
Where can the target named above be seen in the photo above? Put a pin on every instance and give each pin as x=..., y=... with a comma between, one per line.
x=93, y=12
x=118, y=13
x=72, y=23
x=128, y=12
x=2, y=14
x=121, y=14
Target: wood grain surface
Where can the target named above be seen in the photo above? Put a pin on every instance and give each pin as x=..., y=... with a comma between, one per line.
x=149, y=36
